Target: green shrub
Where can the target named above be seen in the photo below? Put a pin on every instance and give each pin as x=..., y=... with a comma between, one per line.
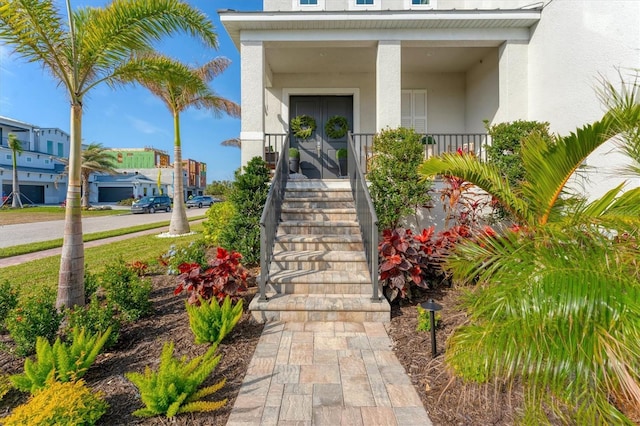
x=60, y=362
x=219, y=189
x=424, y=319
x=218, y=217
x=173, y=389
x=211, y=322
x=248, y=196
x=126, y=290
x=126, y=202
x=91, y=284
x=96, y=318
x=60, y=404
x=396, y=189
x=195, y=252
x=8, y=300
x=506, y=139
x=34, y=317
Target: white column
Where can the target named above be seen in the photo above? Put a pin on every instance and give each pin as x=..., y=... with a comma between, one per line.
x=513, y=80
x=252, y=100
x=388, y=84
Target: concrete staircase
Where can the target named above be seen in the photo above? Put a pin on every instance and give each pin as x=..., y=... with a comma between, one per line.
x=319, y=271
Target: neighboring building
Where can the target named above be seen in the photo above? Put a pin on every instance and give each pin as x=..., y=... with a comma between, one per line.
x=40, y=173
x=146, y=171
x=440, y=66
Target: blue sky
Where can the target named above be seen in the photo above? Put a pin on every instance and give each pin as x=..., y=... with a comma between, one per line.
x=131, y=117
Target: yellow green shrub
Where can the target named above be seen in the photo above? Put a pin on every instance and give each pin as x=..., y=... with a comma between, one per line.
x=66, y=404
x=218, y=217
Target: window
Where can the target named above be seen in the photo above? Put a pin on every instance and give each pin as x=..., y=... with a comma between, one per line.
x=28, y=159
x=414, y=110
x=50, y=147
x=60, y=149
x=46, y=161
x=419, y=2
x=309, y=2
x=363, y=2
x=8, y=156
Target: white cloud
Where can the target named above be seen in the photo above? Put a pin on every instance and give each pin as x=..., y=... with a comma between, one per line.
x=144, y=126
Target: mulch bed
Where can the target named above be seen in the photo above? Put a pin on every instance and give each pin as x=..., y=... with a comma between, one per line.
x=448, y=401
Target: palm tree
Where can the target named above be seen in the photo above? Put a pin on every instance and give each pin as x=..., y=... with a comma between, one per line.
x=16, y=148
x=555, y=307
x=181, y=87
x=95, y=159
x=87, y=48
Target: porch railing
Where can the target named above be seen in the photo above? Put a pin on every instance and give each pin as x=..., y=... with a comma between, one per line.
x=365, y=212
x=273, y=207
x=434, y=144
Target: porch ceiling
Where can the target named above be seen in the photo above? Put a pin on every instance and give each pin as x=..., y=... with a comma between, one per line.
x=352, y=59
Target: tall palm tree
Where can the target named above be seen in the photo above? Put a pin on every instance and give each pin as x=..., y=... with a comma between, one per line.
x=88, y=47
x=556, y=308
x=16, y=148
x=181, y=87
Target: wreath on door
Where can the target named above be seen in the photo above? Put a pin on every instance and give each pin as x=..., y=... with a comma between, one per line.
x=336, y=127
x=303, y=126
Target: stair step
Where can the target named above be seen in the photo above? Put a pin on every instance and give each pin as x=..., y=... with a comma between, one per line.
x=320, y=260
x=327, y=307
x=320, y=282
x=315, y=194
x=307, y=227
x=318, y=214
x=319, y=203
x=292, y=242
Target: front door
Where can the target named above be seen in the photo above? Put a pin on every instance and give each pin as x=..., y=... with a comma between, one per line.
x=318, y=152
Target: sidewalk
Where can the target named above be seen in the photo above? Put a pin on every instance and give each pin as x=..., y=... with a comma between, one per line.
x=326, y=373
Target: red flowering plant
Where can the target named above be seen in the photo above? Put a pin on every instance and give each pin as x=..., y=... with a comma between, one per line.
x=223, y=276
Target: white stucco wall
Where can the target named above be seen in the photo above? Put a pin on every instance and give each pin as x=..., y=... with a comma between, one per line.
x=574, y=44
x=482, y=101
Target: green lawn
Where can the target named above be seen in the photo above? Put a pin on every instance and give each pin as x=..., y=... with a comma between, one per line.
x=44, y=272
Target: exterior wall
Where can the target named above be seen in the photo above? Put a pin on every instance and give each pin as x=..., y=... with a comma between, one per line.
x=482, y=88
x=134, y=159
x=445, y=99
x=338, y=5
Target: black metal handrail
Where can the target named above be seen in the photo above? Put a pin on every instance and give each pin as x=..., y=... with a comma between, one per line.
x=365, y=212
x=272, y=209
x=434, y=144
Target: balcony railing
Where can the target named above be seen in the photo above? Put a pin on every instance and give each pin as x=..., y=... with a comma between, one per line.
x=434, y=144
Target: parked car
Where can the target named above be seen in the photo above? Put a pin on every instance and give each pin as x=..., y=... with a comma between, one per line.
x=152, y=204
x=201, y=200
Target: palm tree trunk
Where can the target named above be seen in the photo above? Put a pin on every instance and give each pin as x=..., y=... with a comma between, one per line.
x=179, y=224
x=85, y=190
x=16, y=201
x=71, y=276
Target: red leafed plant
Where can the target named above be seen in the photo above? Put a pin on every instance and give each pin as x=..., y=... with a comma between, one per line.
x=139, y=267
x=417, y=259
x=223, y=276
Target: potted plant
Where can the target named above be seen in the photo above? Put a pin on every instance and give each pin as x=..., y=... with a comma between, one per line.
x=341, y=156
x=294, y=160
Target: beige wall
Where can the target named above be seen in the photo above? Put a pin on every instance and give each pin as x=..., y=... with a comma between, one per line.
x=482, y=90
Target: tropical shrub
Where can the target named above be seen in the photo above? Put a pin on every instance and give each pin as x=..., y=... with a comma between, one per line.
x=506, y=144
x=91, y=284
x=59, y=403
x=210, y=322
x=406, y=259
x=219, y=189
x=218, y=217
x=223, y=276
x=60, y=362
x=195, y=252
x=248, y=196
x=8, y=300
x=556, y=306
x=173, y=389
x=34, y=317
x=96, y=317
x=126, y=290
x=396, y=189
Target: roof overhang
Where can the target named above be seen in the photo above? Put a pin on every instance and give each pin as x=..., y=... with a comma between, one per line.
x=514, y=21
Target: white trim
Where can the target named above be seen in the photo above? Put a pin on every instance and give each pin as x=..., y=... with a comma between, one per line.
x=287, y=92
x=295, y=5
x=375, y=6
x=408, y=4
